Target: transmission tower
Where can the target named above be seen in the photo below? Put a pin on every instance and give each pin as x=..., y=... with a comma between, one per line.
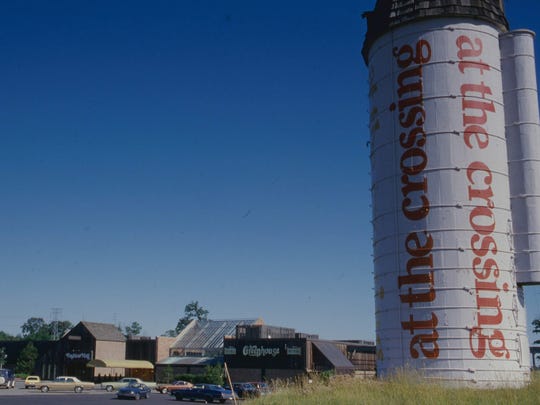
x=55, y=315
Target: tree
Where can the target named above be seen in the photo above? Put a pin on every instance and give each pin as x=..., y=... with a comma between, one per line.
x=191, y=311
x=536, y=324
x=133, y=330
x=27, y=359
x=170, y=333
x=167, y=374
x=6, y=336
x=35, y=329
x=57, y=329
x=214, y=374
x=3, y=356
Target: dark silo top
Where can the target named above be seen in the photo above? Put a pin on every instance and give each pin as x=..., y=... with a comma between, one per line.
x=389, y=14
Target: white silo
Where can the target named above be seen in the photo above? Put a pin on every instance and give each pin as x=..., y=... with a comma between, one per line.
x=523, y=139
x=447, y=300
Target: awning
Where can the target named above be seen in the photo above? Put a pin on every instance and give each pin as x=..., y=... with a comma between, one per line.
x=120, y=363
x=333, y=355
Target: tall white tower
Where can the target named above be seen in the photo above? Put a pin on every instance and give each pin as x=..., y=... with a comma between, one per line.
x=447, y=299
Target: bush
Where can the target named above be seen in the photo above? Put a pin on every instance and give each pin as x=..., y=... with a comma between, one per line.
x=212, y=375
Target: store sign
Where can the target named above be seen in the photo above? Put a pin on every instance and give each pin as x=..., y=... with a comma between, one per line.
x=260, y=351
x=293, y=350
x=78, y=356
x=229, y=351
x=266, y=353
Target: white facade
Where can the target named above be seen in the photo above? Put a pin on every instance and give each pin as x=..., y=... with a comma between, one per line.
x=523, y=138
x=447, y=300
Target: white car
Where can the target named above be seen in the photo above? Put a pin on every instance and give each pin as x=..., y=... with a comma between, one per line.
x=65, y=383
x=111, y=386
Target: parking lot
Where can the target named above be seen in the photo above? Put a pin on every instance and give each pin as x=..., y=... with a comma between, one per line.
x=19, y=395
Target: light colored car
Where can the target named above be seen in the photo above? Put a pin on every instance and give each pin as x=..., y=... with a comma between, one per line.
x=111, y=386
x=65, y=383
x=177, y=385
x=32, y=381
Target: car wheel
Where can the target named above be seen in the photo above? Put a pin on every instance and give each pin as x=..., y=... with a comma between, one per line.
x=109, y=388
x=179, y=398
x=164, y=390
x=137, y=397
x=209, y=399
x=44, y=389
x=78, y=390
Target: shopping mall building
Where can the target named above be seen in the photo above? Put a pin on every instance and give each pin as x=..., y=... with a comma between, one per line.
x=252, y=351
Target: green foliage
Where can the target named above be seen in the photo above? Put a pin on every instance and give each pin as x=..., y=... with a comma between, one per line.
x=133, y=330
x=402, y=389
x=170, y=333
x=35, y=329
x=212, y=375
x=536, y=328
x=191, y=311
x=59, y=328
x=27, y=359
x=4, y=336
x=192, y=378
x=3, y=356
x=326, y=375
x=167, y=375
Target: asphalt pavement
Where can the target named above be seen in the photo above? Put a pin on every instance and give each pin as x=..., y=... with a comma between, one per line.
x=20, y=395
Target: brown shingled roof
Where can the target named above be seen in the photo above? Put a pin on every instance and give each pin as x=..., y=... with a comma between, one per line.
x=104, y=331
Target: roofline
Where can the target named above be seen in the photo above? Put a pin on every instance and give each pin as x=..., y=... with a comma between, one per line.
x=390, y=14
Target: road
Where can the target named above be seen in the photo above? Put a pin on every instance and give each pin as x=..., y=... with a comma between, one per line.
x=19, y=395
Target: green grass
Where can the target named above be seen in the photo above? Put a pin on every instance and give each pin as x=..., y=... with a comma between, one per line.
x=402, y=390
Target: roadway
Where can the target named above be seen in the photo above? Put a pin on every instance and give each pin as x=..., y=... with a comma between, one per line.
x=19, y=395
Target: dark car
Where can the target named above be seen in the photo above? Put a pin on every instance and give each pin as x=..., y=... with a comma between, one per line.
x=261, y=387
x=204, y=392
x=134, y=390
x=245, y=390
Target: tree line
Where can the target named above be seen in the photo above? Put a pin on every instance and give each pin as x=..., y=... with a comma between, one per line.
x=37, y=329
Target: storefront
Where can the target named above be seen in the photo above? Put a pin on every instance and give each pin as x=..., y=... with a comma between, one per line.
x=264, y=352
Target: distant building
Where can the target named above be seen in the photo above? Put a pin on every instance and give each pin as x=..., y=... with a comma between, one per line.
x=200, y=344
x=252, y=350
x=88, y=341
x=263, y=352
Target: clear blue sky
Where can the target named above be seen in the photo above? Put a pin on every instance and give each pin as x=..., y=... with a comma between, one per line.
x=158, y=152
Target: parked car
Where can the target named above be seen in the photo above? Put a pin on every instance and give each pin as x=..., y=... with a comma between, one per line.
x=32, y=381
x=204, y=392
x=244, y=390
x=262, y=387
x=135, y=391
x=7, y=378
x=110, y=386
x=176, y=385
x=65, y=383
